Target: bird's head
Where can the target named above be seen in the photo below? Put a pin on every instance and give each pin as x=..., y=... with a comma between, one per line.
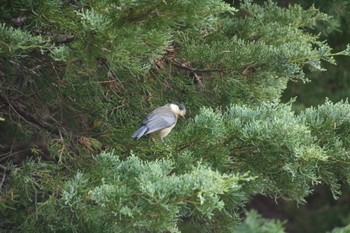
x=178, y=109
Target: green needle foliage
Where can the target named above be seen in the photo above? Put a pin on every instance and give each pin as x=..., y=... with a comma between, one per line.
x=255, y=223
x=77, y=77
x=138, y=196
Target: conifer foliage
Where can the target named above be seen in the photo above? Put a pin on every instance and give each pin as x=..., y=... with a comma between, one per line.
x=76, y=78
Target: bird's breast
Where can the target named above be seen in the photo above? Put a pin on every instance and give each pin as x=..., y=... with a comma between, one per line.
x=163, y=132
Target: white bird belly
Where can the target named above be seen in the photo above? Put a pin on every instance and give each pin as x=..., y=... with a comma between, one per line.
x=163, y=132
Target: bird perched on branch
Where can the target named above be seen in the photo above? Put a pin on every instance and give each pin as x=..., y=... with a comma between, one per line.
x=160, y=121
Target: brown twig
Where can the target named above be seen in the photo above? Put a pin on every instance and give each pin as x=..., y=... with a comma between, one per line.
x=186, y=67
x=114, y=75
x=3, y=176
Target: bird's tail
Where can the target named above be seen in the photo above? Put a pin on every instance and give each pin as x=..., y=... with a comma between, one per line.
x=140, y=132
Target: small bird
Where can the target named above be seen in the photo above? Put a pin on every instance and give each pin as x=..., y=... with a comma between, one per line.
x=160, y=121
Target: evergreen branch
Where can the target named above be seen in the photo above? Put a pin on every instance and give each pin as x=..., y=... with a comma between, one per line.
x=186, y=200
x=30, y=119
x=345, y=52
x=5, y=169
x=3, y=175
x=114, y=75
x=312, y=57
x=31, y=47
x=186, y=67
x=133, y=18
x=8, y=46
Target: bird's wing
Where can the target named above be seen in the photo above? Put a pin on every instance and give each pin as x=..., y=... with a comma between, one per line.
x=159, y=121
